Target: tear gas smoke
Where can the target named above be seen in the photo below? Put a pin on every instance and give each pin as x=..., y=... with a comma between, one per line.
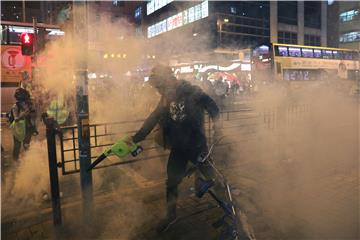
x=305, y=162
x=295, y=163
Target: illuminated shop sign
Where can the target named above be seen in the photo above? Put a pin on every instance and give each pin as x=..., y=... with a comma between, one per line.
x=154, y=5
x=138, y=13
x=174, y=21
x=202, y=68
x=190, y=15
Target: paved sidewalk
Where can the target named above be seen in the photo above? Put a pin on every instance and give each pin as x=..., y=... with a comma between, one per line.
x=131, y=214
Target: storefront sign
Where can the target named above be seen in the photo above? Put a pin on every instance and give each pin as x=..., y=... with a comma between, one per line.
x=201, y=68
x=192, y=14
x=13, y=63
x=304, y=63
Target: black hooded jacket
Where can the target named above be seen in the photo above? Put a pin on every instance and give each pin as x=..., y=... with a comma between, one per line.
x=182, y=118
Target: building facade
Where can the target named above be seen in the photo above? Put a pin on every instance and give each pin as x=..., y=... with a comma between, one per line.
x=349, y=24
x=234, y=24
x=25, y=11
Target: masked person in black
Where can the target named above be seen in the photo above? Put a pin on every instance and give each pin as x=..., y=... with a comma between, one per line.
x=180, y=114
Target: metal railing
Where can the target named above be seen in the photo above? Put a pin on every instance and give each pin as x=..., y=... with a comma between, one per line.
x=245, y=122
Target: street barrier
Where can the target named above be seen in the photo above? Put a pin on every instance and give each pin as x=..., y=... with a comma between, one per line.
x=245, y=122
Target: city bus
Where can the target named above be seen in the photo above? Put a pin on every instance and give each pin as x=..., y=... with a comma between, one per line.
x=299, y=63
x=15, y=66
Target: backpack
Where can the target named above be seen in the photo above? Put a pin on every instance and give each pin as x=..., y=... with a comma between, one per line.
x=10, y=115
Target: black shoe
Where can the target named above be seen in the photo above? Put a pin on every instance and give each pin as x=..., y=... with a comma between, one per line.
x=202, y=186
x=165, y=224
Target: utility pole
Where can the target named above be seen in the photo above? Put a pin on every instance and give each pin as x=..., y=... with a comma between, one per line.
x=23, y=11
x=35, y=45
x=82, y=107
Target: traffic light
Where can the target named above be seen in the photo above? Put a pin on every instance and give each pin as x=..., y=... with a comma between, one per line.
x=27, y=44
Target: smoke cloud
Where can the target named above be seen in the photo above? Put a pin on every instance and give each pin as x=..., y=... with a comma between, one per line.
x=301, y=159
x=303, y=164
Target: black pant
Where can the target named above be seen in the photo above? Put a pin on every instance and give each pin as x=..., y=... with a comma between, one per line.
x=176, y=171
x=26, y=142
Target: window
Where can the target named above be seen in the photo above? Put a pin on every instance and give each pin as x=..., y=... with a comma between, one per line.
x=348, y=55
x=355, y=55
x=349, y=15
x=281, y=51
x=287, y=37
x=253, y=9
x=312, y=40
x=350, y=37
x=312, y=14
x=287, y=12
x=337, y=54
x=327, y=54
x=307, y=52
x=317, y=53
x=294, y=52
x=257, y=9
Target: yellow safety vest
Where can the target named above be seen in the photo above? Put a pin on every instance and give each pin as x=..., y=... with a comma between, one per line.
x=58, y=111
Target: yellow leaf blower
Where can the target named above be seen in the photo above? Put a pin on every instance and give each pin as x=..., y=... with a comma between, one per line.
x=121, y=149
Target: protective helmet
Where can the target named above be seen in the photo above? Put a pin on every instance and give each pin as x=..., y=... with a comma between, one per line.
x=21, y=94
x=160, y=75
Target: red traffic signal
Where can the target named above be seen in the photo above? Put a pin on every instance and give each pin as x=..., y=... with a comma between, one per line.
x=27, y=38
x=27, y=42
